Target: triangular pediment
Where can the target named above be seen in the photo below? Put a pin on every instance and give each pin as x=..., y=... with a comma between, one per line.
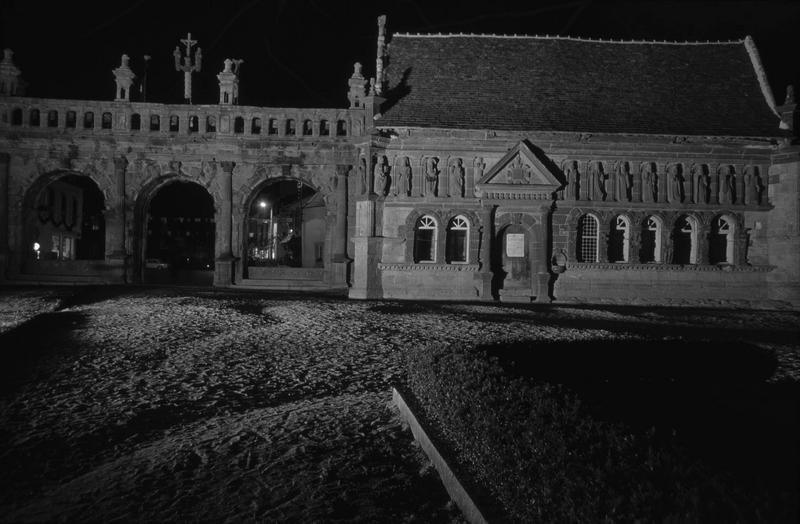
x=520, y=171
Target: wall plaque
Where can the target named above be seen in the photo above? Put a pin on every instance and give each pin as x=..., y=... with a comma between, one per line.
x=515, y=245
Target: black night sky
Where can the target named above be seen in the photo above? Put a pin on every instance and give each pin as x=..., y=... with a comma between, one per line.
x=299, y=53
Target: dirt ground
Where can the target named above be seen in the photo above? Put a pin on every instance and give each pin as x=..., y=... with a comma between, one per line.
x=165, y=404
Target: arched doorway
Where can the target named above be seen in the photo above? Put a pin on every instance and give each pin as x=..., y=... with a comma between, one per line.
x=178, y=234
x=64, y=225
x=284, y=232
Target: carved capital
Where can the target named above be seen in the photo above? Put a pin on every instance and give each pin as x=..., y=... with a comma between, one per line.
x=227, y=166
x=120, y=163
x=343, y=169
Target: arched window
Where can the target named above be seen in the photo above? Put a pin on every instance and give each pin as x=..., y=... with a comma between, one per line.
x=88, y=120
x=136, y=122
x=619, y=240
x=720, y=246
x=71, y=118
x=105, y=121
x=174, y=123
x=52, y=118
x=308, y=128
x=587, y=239
x=324, y=128
x=255, y=126
x=684, y=241
x=425, y=239
x=238, y=125
x=34, y=117
x=211, y=124
x=290, y=129
x=650, y=250
x=16, y=117
x=194, y=124
x=272, y=126
x=155, y=123
x=457, y=242
x=341, y=128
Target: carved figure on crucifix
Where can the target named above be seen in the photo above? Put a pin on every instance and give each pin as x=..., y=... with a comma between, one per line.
x=432, y=175
x=187, y=67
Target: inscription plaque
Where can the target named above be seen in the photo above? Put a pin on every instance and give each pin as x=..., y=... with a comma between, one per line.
x=515, y=245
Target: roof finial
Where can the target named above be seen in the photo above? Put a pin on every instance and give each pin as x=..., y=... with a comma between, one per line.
x=11, y=84
x=789, y=95
x=123, y=76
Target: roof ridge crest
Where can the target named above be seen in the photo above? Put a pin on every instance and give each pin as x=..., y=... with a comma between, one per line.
x=567, y=37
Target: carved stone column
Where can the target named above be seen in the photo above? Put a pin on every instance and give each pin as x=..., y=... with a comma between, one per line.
x=223, y=275
x=635, y=241
x=702, y=244
x=603, y=232
x=540, y=265
x=367, y=253
x=340, y=262
x=5, y=161
x=117, y=231
x=487, y=236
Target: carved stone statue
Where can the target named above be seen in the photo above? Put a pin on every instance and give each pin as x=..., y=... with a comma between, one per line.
x=362, y=175
x=727, y=183
x=598, y=178
x=675, y=177
x=381, y=176
x=648, y=182
x=432, y=175
x=457, y=178
x=622, y=179
x=403, y=178
x=700, y=184
x=571, y=173
x=753, y=185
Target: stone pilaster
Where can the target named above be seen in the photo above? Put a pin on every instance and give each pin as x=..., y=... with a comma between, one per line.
x=340, y=263
x=702, y=244
x=5, y=161
x=116, y=234
x=225, y=262
x=367, y=252
x=540, y=265
x=487, y=237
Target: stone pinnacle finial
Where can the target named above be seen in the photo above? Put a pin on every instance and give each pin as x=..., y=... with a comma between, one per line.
x=229, y=81
x=357, y=87
x=381, y=54
x=10, y=82
x=789, y=95
x=123, y=76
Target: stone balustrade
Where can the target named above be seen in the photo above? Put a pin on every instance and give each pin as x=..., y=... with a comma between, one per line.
x=172, y=120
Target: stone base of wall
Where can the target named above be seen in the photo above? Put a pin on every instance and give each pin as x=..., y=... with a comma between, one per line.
x=637, y=284
x=432, y=281
x=71, y=271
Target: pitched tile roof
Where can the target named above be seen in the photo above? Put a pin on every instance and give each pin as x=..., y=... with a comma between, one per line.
x=577, y=85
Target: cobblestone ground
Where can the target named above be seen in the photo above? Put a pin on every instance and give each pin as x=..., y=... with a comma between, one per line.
x=169, y=404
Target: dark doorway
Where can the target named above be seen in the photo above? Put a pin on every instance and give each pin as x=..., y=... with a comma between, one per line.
x=179, y=240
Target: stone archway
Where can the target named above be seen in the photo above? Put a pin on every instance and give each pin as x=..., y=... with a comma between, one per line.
x=180, y=248
x=64, y=226
x=285, y=233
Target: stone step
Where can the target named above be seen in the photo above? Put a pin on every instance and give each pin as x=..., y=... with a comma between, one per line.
x=284, y=283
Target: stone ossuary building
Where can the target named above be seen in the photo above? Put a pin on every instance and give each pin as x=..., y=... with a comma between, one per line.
x=470, y=167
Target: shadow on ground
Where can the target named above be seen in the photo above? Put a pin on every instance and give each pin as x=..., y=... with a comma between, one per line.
x=711, y=397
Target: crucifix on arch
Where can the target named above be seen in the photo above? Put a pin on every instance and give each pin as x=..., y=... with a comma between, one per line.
x=187, y=67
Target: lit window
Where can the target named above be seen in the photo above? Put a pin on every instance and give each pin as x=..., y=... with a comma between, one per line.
x=587, y=239
x=457, y=241
x=425, y=240
x=619, y=240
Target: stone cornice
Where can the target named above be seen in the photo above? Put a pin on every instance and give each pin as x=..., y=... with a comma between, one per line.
x=470, y=268
x=626, y=266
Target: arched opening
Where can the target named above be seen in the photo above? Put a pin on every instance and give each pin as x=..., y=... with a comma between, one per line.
x=52, y=118
x=619, y=238
x=308, y=128
x=255, y=126
x=425, y=239
x=136, y=122
x=71, y=117
x=238, y=125
x=34, y=118
x=64, y=224
x=88, y=120
x=179, y=235
x=324, y=128
x=650, y=249
x=211, y=124
x=684, y=241
x=16, y=117
x=285, y=228
x=194, y=124
x=720, y=245
x=587, y=239
x=174, y=123
x=105, y=122
x=272, y=126
x=457, y=241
